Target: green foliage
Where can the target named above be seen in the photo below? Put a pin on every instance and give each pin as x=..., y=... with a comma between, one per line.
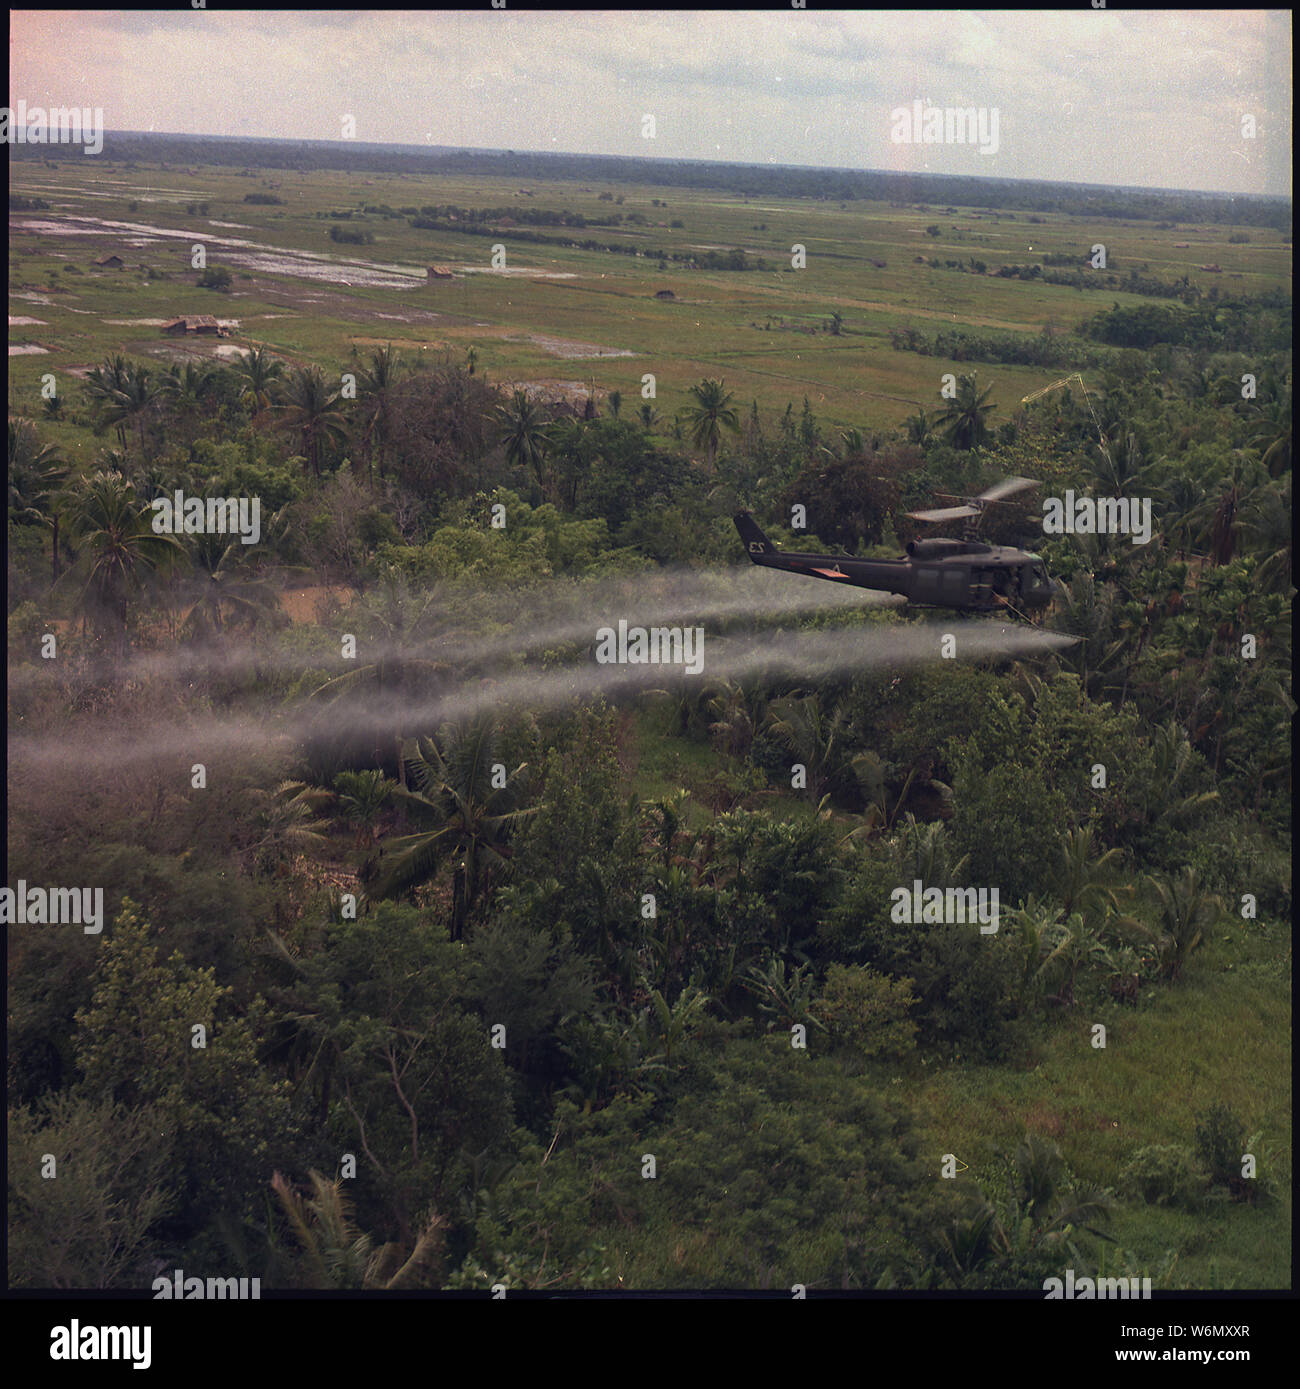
x=87, y=1221
x=1007, y=820
x=1165, y=1174
x=868, y=1010
x=1220, y=1144
x=218, y=1112
x=405, y=1076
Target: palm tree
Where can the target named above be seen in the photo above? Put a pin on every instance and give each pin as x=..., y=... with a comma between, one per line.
x=1219, y=516
x=572, y=451
x=467, y=818
x=1169, y=802
x=1036, y=924
x=1073, y=944
x=185, y=387
x=1266, y=526
x=1186, y=912
x=813, y=737
x=1270, y=431
x=376, y=382
x=336, y=1255
x=118, y=551
x=261, y=377
x=854, y=443
x=103, y=384
x=1119, y=468
x=1080, y=873
x=285, y=825
x=873, y=774
x=37, y=473
x=125, y=393
x=522, y=428
x=1181, y=498
x=711, y=413
x=307, y=405
x=737, y=712
x=648, y=416
x=361, y=796
x=225, y=595
x=964, y=418
x=923, y=851
x=919, y=427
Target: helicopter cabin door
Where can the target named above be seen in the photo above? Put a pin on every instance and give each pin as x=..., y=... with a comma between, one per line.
x=947, y=585
x=927, y=583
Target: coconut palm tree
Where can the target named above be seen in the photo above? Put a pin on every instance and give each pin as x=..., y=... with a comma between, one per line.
x=125, y=394
x=103, y=384
x=37, y=473
x=118, y=551
x=923, y=851
x=1073, y=944
x=1120, y=467
x=1265, y=523
x=184, y=387
x=711, y=413
x=964, y=418
x=376, y=382
x=1219, y=517
x=285, y=825
x=1270, y=431
x=1170, y=802
x=522, y=428
x=307, y=404
x=225, y=593
x=919, y=427
x=467, y=817
x=261, y=377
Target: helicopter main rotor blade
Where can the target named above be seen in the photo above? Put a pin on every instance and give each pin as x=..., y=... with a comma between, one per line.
x=945, y=513
x=1006, y=488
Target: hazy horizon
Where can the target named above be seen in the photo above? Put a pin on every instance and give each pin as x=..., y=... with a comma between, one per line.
x=1159, y=100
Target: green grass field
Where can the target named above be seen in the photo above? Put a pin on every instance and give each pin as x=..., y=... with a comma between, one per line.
x=765, y=332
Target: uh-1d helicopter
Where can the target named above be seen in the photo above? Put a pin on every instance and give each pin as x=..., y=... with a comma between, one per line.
x=938, y=572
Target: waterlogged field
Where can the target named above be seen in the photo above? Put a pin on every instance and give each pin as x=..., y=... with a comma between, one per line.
x=567, y=319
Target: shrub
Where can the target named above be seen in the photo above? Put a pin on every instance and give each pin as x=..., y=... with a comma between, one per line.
x=868, y=1010
x=1165, y=1175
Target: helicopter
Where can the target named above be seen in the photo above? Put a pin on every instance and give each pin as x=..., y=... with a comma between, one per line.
x=939, y=571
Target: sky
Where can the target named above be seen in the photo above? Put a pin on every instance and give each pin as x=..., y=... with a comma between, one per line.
x=1159, y=99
